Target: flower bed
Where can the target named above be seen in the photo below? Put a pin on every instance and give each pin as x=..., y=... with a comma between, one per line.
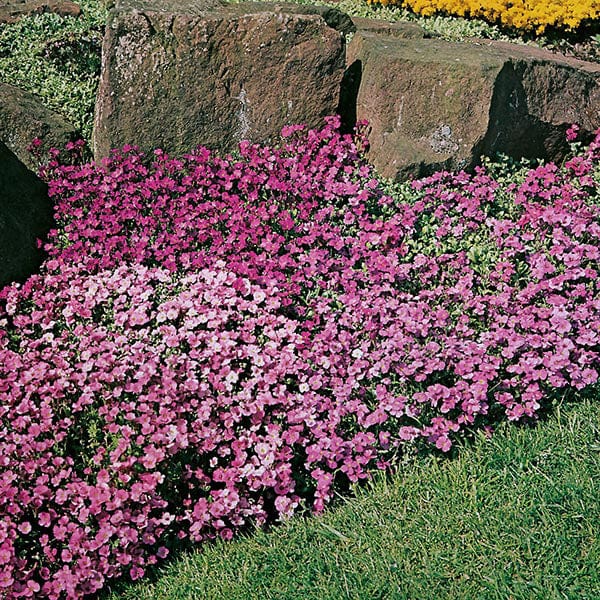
x=215, y=342
x=524, y=15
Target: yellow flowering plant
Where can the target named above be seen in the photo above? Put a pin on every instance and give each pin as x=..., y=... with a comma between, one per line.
x=525, y=15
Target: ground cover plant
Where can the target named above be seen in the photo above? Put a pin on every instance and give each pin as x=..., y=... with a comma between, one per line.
x=215, y=342
x=511, y=516
x=58, y=59
x=221, y=342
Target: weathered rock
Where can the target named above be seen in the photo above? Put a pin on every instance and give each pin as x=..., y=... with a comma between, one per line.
x=335, y=18
x=538, y=96
x=353, y=74
x=435, y=104
x=179, y=74
x=25, y=217
x=399, y=29
x=23, y=117
x=13, y=10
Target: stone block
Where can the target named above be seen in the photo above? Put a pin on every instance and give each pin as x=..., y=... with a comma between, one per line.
x=180, y=74
x=23, y=117
x=13, y=10
x=435, y=104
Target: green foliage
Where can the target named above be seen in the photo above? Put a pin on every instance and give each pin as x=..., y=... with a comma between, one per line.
x=477, y=244
x=58, y=59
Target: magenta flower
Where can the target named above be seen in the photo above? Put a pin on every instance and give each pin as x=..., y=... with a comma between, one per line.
x=214, y=342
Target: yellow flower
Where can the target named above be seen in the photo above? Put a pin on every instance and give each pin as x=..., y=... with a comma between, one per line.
x=526, y=15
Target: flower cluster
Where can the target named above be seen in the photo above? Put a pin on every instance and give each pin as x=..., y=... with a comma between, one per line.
x=525, y=15
x=215, y=342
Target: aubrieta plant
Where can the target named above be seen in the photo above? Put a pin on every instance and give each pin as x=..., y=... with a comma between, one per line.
x=221, y=342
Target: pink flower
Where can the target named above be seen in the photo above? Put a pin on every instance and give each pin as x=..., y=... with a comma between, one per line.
x=572, y=132
x=24, y=527
x=221, y=329
x=136, y=573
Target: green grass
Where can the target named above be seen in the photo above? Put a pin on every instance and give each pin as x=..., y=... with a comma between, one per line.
x=513, y=517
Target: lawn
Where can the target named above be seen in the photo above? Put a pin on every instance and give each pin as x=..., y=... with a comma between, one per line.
x=378, y=390
x=514, y=516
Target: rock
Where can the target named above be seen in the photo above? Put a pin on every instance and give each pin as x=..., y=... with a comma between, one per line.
x=12, y=10
x=538, y=96
x=335, y=18
x=179, y=74
x=353, y=74
x=435, y=104
x=399, y=29
x=25, y=217
x=23, y=118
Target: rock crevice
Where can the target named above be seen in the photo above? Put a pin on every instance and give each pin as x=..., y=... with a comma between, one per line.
x=25, y=217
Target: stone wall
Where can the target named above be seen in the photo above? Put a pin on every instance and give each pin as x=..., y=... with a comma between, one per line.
x=203, y=72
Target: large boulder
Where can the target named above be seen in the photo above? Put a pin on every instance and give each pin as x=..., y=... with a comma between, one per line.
x=353, y=73
x=25, y=217
x=13, y=10
x=23, y=118
x=435, y=104
x=177, y=74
